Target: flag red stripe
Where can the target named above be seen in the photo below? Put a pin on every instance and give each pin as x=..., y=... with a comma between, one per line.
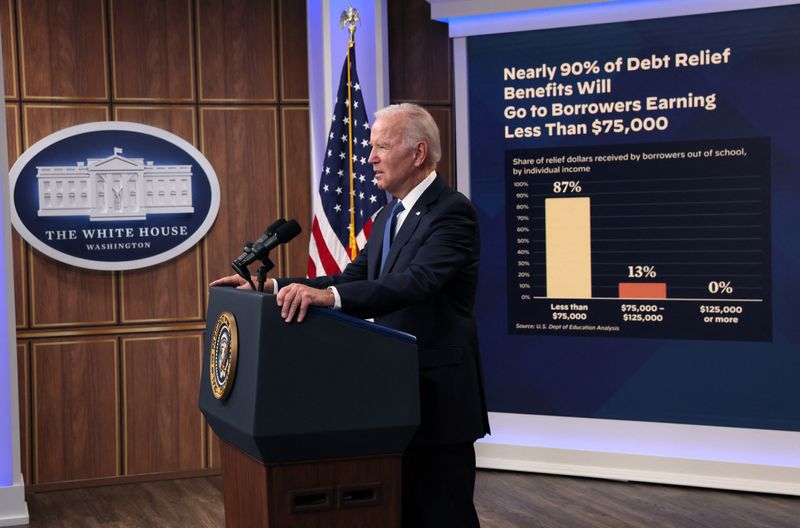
x=328, y=262
x=312, y=268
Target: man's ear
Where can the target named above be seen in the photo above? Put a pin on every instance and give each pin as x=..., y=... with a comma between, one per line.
x=420, y=153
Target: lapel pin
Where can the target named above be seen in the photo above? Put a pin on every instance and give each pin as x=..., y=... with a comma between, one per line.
x=418, y=213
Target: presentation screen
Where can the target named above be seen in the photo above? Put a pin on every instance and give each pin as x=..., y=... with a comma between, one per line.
x=637, y=187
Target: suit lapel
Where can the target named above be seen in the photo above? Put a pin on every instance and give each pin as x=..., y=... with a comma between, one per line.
x=376, y=240
x=412, y=220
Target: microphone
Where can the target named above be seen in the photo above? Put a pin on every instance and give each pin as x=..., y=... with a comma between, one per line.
x=279, y=232
x=248, y=248
x=270, y=230
x=282, y=234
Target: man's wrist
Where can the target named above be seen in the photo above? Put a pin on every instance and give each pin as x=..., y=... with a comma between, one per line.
x=336, y=300
x=331, y=302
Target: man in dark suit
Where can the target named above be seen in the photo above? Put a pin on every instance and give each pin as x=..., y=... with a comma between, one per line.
x=418, y=273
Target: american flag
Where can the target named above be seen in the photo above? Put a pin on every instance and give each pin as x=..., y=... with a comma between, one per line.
x=348, y=191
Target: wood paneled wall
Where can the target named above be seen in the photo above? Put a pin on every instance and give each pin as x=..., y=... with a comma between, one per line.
x=421, y=70
x=109, y=362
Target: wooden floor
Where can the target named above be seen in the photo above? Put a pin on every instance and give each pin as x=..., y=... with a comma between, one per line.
x=503, y=499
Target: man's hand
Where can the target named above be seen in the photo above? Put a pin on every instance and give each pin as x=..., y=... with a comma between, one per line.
x=238, y=282
x=296, y=298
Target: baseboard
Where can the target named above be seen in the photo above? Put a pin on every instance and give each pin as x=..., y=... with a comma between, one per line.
x=122, y=479
x=13, y=509
x=640, y=468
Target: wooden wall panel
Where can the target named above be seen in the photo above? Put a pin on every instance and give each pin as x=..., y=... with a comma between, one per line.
x=12, y=132
x=19, y=249
x=163, y=427
x=297, y=185
x=23, y=377
x=293, y=34
x=419, y=54
x=17, y=244
x=173, y=290
x=236, y=50
x=241, y=144
x=84, y=296
x=75, y=409
x=152, y=50
x=43, y=119
x=63, y=295
x=63, y=49
x=180, y=120
x=170, y=292
x=443, y=118
x=8, y=31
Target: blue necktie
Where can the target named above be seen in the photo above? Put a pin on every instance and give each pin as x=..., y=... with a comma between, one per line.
x=388, y=232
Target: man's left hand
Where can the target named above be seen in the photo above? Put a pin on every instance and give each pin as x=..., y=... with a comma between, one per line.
x=295, y=299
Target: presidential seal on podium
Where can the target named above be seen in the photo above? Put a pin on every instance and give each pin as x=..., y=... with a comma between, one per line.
x=224, y=352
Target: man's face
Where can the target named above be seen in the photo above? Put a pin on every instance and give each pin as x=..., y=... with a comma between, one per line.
x=391, y=159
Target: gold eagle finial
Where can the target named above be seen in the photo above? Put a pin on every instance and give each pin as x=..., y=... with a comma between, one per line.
x=349, y=18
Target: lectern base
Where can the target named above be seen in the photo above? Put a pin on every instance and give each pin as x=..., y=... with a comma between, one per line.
x=345, y=493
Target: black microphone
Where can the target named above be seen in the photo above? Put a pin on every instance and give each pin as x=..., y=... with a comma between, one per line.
x=248, y=248
x=270, y=231
x=283, y=233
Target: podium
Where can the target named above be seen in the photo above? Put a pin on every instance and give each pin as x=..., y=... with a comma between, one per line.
x=313, y=417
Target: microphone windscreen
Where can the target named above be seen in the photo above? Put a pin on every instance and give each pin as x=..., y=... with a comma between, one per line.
x=275, y=225
x=288, y=231
x=270, y=230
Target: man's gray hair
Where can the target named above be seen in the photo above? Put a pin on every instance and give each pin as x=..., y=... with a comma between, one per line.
x=419, y=126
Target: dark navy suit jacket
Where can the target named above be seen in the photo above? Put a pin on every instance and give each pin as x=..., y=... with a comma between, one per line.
x=427, y=289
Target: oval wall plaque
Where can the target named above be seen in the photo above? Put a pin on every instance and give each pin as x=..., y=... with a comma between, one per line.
x=113, y=195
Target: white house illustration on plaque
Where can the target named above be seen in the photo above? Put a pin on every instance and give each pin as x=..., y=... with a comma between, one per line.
x=115, y=188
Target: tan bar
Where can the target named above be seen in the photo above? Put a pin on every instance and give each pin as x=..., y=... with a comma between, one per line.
x=569, y=248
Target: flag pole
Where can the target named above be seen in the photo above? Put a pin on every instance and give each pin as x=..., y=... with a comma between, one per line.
x=349, y=18
x=342, y=226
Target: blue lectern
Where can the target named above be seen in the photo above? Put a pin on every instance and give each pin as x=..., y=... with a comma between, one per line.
x=313, y=417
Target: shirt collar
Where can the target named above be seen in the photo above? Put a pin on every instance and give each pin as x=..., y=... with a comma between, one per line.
x=413, y=195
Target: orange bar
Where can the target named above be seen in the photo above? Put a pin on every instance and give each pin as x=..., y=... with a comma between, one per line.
x=642, y=290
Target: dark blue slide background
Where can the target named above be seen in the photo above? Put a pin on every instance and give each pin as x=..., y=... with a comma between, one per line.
x=723, y=383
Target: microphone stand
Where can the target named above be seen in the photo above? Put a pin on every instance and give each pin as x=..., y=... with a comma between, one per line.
x=242, y=270
x=284, y=232
x=266, y=265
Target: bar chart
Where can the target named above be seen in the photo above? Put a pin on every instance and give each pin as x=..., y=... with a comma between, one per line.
x=668, y=240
